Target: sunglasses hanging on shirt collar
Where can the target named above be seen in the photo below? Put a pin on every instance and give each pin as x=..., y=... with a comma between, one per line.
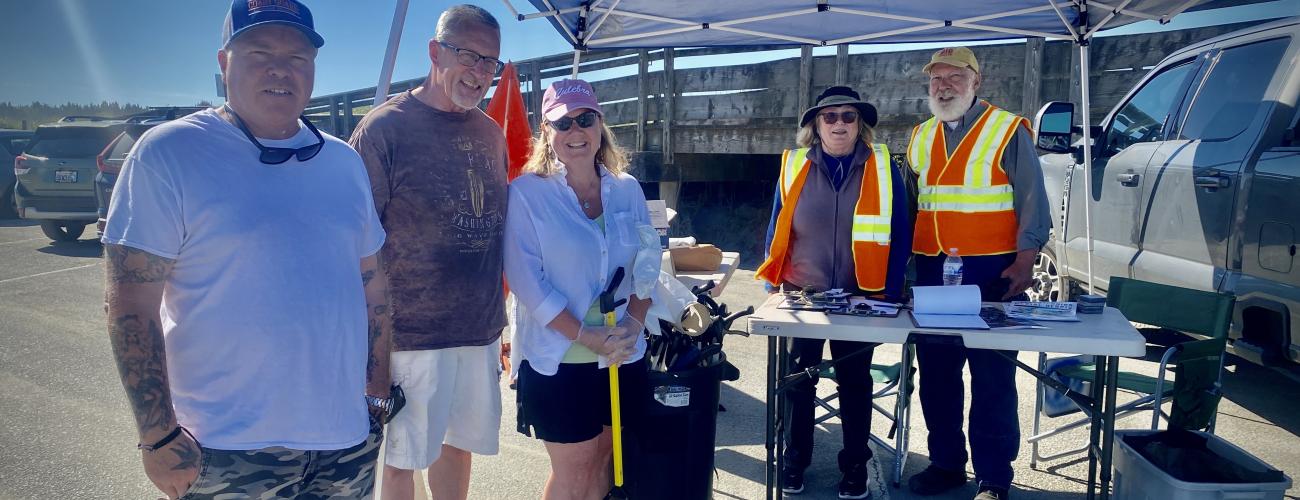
x=275, y=156
x=585, y=120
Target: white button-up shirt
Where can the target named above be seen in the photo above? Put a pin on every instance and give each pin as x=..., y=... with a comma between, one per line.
x=556, y=259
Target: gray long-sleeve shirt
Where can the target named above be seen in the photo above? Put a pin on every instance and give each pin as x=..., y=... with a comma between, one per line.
x=1024, y=173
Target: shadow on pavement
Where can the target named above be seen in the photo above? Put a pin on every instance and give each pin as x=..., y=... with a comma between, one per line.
x=79, y=248
x=17, y=223
x=732, y=431
x=1276, y=405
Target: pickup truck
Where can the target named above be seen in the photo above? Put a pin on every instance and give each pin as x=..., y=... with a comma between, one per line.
x=1195, y=183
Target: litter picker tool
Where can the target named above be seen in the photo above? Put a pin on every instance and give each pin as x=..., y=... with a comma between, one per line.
x=607, y=307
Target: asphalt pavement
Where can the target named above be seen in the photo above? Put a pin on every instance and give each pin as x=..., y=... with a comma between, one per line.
x=66, y=429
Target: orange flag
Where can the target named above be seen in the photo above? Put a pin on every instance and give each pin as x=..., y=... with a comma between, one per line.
x=507, y=108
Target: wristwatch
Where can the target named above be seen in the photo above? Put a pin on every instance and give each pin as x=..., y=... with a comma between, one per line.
x=385, y=404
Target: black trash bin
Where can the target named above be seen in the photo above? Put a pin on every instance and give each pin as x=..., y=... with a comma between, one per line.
x=672, y=456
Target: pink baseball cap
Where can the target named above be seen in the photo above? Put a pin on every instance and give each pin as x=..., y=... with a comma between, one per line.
x=567, y=95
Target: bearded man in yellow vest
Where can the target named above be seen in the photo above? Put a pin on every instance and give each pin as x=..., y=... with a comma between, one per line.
x=840, y=220
x=980, y=195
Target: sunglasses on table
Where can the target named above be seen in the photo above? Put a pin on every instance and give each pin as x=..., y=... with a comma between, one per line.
x=585, y=120
x=275, y=156
x=831, y=117
x=471, y=59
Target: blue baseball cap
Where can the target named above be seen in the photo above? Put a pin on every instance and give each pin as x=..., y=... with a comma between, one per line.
x=248, y=14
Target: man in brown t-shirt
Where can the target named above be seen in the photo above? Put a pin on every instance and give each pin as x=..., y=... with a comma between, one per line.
x=438, y=171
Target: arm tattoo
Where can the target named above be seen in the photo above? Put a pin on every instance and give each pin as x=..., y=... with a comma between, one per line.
x=187, y=456
x=366, y=276
x=142, y=363
x=131, y=265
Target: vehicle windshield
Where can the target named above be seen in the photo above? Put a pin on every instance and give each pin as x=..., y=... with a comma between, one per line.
x=71, y=143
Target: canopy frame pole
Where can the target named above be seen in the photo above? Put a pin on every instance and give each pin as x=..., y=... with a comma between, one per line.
x=390, y=54
x=560, y=22
x=1082, y=39
x=1107, y=19
x=512, y=10
x=603, y=17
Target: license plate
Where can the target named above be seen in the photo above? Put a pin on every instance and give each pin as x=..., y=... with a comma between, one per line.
x=65, y=176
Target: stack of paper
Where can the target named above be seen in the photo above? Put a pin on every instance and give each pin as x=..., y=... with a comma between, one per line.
x=947, y=307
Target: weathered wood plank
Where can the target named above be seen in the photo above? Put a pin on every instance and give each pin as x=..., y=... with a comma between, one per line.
x=670, y=97
x=805, y=79
x=1032, y=98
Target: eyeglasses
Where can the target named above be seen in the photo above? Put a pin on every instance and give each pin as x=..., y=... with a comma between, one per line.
x=276, y=156
x=585, y=120
x=831, y=117
x=471, y=59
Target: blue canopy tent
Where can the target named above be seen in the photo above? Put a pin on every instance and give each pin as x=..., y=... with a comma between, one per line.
x=623, y=24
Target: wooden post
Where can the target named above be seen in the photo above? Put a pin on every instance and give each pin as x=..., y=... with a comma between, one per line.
x=842, y=64
x=642, y=82
x=1076, y=93
x=348, y=120
x=805, y=79
x=1032, y=98
x=668, y=191
x=670, y=91
x=335, y=126
x=536, y=77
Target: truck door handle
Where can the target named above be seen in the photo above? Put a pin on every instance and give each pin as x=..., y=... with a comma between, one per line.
x=1212, y=181
x=1128, y=179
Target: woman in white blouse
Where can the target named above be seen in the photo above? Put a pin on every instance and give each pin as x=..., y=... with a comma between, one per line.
x=572, y=222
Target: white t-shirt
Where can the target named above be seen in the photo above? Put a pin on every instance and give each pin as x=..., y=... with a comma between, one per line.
x=264, y=314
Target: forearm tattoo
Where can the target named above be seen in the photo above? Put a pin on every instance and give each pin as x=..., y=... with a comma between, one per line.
x=142, y=363
x=135, y=280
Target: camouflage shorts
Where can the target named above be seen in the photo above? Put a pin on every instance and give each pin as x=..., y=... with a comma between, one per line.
x=284, y=473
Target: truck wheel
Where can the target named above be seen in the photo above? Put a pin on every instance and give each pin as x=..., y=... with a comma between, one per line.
x=1047, y=284
x=62, y=231
x=8, y=206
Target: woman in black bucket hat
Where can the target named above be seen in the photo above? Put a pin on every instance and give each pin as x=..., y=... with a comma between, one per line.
x=840, y=220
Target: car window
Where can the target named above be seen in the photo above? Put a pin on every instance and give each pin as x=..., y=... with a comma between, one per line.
x=1143, y=118
x=1233, y=91
x=121, y=148
x=85, y=143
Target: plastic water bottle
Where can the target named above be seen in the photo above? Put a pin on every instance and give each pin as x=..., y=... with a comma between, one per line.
x=952, y=268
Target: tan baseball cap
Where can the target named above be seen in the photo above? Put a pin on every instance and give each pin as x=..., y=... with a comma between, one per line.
x=960, y=57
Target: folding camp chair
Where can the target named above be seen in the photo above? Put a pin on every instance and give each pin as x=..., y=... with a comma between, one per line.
x=1197, y=364
x=887, y=376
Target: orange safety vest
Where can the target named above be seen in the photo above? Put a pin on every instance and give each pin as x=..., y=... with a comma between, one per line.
x=964, y=201
x=871, y=218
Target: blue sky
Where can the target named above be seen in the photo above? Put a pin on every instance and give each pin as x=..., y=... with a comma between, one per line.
x=163, y=52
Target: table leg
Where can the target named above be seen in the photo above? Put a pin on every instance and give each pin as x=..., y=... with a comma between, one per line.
x=1094, y=431
x=782, y=370
x=903, y=415
x=770, y=442
x=1108, y=433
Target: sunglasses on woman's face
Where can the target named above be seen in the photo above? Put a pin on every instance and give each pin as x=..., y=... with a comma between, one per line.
x=831, y=117
x=585, y=120
x=275, y=156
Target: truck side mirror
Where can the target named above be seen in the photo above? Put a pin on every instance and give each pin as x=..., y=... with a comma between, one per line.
x=1053, y=127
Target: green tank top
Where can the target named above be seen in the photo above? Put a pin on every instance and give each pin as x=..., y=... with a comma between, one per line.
x=577, y=353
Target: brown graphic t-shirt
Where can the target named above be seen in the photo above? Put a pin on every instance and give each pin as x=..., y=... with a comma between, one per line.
x=439, y=183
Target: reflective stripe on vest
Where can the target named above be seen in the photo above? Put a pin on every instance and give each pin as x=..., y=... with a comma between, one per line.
x=871, y=224
x=962, y=193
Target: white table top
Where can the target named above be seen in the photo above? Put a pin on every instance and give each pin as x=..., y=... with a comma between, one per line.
x=721, y=276
x=1106, y=334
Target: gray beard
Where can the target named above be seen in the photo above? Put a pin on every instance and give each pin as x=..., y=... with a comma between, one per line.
x=952, y=111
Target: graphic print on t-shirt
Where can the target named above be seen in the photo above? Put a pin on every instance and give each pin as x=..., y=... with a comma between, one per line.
x=475, y=223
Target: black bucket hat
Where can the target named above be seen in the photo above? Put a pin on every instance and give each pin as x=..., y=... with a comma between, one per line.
x=840, y=95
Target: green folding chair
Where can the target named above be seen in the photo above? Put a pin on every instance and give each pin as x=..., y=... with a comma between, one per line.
x=1197, y=365
x=887, y=377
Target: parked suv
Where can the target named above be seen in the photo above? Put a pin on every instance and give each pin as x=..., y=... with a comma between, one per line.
x=114, y=155
x=1195, y=183
x=12, y=143
x=56, y=175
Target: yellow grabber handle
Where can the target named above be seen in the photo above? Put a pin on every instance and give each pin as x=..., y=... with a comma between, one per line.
x=616, y=421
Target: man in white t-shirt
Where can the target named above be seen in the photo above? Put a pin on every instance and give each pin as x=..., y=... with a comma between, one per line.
x=246, y=304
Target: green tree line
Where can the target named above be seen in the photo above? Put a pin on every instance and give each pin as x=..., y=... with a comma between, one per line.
x=14, y=116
